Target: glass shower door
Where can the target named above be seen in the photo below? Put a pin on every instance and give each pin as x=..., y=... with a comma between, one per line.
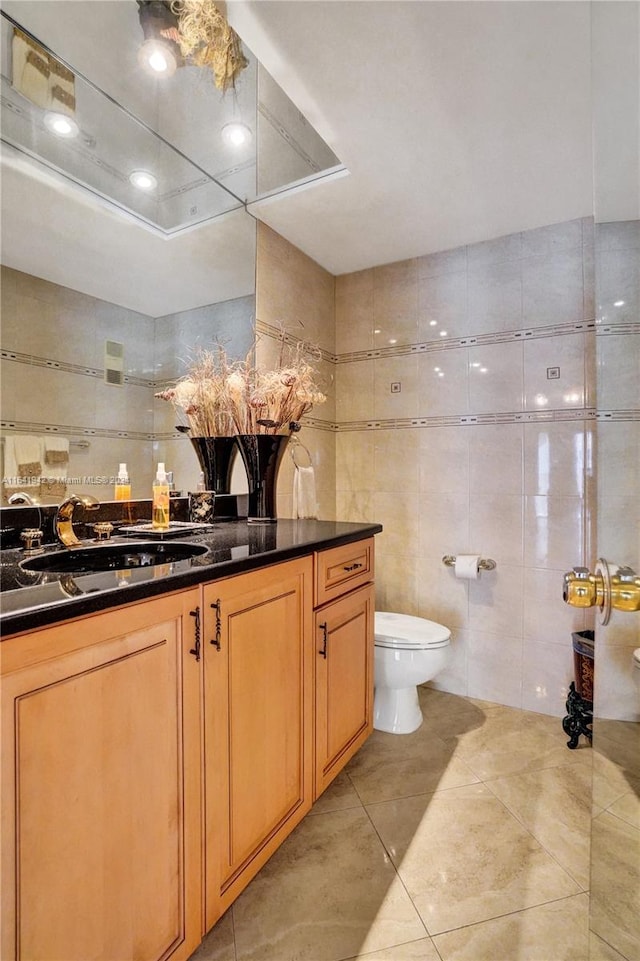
x=615, y=837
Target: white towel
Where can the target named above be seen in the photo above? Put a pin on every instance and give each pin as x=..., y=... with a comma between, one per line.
x=53, y=485
x=56, y=451
x=28, y=454
x=10, y=464
x=305, y=503
x=30, y=70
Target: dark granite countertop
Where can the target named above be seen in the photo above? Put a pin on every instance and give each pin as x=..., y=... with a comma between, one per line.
x=32, y=600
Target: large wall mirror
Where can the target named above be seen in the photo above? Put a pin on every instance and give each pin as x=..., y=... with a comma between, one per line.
x=108, y=289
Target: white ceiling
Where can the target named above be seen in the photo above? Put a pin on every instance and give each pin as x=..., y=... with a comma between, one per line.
x=458, y=121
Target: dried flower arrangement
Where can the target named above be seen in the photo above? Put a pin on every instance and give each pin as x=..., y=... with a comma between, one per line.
x=201, y=396
x=220, y=399
x=206, y=38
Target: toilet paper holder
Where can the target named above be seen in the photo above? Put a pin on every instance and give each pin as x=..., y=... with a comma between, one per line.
x=485, y=564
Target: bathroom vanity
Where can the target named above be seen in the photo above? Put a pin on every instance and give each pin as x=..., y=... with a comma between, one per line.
x=160, y=745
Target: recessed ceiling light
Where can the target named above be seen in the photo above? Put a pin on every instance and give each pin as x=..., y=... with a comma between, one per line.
x=618, y=303
x=377, y=331
x=393, y=340
x=61, y=125
x=443, y=333
x=157, y=58
x=432, y=323
x=236, y=134
x=143, y=180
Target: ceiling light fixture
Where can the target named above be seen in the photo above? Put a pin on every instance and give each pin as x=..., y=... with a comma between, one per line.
x=61, y=125
x=143, y=180
x=156, y=57
x=159, y=54
x=236, y=134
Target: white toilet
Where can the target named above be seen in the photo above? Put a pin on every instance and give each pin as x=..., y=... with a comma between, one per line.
x=408, y=651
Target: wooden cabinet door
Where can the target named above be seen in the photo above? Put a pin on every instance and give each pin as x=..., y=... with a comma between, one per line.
x=101, y=790
x=258, y=700
x=344, y=682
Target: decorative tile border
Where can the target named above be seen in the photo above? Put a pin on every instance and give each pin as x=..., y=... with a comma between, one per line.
x=499, y=337
x=406, y=423
x=268, y=330
x=478, y=340
x=618, y=415
x=71, y=430
x=32, y=360
x=467, y=420
x=603, y=329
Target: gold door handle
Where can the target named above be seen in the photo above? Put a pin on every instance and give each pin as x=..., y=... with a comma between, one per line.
x=625, y=590
x=581, y=588
x=609, y=587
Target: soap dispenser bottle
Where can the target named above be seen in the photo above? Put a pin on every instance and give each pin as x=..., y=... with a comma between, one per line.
x=160, y=507
x=123, y=484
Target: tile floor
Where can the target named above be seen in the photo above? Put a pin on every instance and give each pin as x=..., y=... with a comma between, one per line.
x=465, y=841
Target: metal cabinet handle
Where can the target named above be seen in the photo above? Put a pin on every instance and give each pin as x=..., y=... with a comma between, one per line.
x=353, y=567
x=195, y=650
x=323, y=649
x=216, y=640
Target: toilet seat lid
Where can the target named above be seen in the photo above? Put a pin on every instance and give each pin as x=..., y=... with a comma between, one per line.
x=405, y=631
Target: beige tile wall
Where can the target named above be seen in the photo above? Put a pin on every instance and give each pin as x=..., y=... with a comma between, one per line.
x=296, y=296
x=478, y=451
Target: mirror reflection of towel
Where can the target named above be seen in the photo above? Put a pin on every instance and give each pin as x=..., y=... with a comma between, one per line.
x=27, y=451
x=53, y=486
x=305, y=503
x=39, y=77
x=52, y=489
x=56, y=451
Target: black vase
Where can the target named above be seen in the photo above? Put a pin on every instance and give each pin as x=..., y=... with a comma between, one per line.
x=216, y=456
x=261, y=455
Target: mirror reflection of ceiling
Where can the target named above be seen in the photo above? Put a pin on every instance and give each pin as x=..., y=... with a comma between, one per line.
x=172, y=128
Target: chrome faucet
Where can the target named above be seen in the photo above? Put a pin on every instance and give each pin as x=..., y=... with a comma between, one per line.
x=63, y=523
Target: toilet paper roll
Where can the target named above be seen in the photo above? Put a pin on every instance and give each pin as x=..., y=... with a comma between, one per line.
x=466, y=566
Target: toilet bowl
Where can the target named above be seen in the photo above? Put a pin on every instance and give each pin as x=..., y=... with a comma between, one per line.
x=408, y=651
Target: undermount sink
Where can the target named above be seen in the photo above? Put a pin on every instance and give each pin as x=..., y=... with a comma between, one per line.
x=112, y=557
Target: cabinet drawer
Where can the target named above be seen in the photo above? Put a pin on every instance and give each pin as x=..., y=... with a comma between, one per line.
x=342, y=569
